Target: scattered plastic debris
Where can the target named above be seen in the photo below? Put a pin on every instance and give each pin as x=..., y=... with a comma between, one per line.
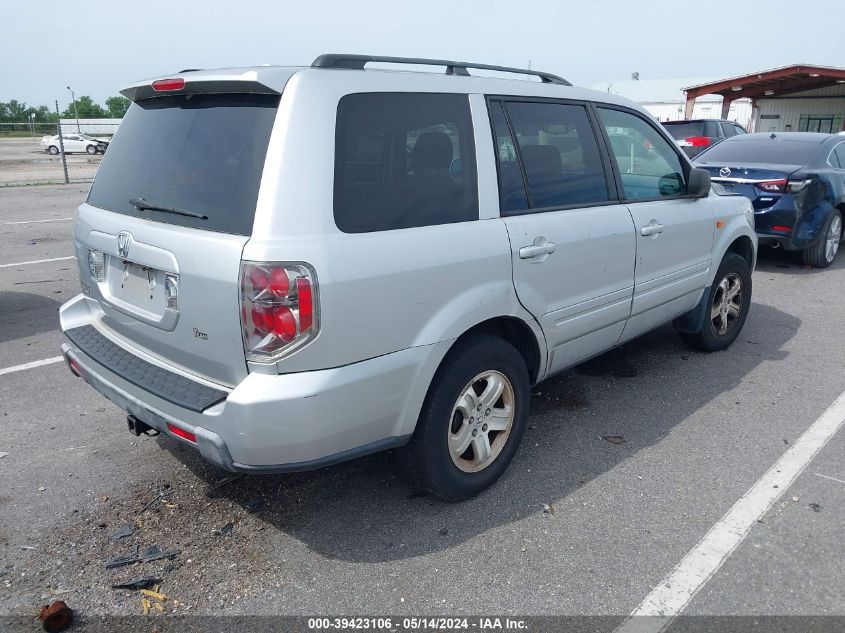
x=56, y=616
x=796, y=499
x=123, y=532
x=152, y=553
x=816, y=507
x=154, y=594
x=613, y=439
x=146, y=605
x=147, y=582
x=41, y=489
x=548, y=508
x=3, y=454
x=226, y=529
x=225, y=481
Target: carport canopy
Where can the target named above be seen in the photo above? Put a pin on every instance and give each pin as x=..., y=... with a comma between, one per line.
x=768, y=83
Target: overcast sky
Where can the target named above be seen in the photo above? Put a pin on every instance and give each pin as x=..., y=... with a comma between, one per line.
x=97, y=47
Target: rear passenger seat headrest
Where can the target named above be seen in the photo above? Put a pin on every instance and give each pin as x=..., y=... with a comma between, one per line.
x=433, y=150
x=542, y=159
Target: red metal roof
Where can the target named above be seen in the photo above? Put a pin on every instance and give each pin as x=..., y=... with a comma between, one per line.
x=778, y=81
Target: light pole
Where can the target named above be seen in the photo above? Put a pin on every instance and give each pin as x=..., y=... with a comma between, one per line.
x=75, y=111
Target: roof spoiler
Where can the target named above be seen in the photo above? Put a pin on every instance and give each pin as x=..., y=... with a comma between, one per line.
x=201, y=82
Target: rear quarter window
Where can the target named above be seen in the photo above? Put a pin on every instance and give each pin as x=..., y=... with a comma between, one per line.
x=403, y=160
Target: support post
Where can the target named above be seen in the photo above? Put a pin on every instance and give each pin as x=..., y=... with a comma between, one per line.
x=61, y=143
x=688, y=108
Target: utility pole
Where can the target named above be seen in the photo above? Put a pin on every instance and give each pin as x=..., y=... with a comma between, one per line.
x=75, y=110
x=61, y=142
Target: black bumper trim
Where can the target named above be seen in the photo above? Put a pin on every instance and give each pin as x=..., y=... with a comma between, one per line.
x=160, y=382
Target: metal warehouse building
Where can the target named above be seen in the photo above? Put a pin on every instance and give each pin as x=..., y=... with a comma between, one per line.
x=664, y=99
x=798, y=98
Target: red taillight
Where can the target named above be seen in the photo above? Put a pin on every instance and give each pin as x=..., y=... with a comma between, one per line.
x=772, y=186
x=187, y=435
x=75, y=367
x=698, y=141
x=783, y=229
x=278, y=308
x=165, y=85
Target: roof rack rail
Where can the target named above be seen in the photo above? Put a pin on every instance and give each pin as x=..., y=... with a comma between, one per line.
x=357, y=62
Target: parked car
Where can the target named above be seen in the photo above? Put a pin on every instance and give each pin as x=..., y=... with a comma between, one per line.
x=695, y=135
x=74, y=144
x=796, y=182
x=319, y=263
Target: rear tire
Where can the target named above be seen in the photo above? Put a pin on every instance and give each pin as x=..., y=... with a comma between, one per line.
x=53, y=150
x=91, y=149
x=823, y=252
x=728, y=301
x=472, y=420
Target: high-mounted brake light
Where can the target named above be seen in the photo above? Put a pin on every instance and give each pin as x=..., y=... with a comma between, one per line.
x=165, y=85
x=698, y=141
x=772, y=186
x=278, y=308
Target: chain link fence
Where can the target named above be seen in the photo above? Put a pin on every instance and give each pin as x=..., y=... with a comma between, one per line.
x=50, y=153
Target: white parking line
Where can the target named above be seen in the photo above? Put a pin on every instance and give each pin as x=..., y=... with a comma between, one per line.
x=36, y=221
x=32, y=365
x=37, y=261
x=677, y=589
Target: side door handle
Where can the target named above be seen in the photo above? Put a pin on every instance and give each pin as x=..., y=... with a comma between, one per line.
x=652, y=228
x=540, y=248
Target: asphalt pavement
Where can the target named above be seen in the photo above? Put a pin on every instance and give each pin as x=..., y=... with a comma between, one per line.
x=577, y=526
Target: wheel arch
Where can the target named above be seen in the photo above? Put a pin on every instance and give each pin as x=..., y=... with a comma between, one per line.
x=516, y=332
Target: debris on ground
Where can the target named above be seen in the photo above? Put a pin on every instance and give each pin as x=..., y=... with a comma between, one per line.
x=123, y=532
x=548, y=508
x=56, y=616
x=147, y=582
x=443, y=532
x=41, y=489
x=146, y=606
x=816, y=507
x=154, y=594
x=226, y=529
x=225, y=482
x=796, y=499
x=613, y=439
x=154, y=552
x=253, y=506
x=3, y=454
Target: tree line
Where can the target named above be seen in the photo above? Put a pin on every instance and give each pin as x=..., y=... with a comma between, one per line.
x=15, y=111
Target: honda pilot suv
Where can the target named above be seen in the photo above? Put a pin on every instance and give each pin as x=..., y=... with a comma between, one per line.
x=285, y=267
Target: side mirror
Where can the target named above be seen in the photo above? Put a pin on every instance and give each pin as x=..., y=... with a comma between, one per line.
x=699, y=182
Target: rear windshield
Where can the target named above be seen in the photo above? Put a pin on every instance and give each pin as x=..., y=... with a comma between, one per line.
x=741, y=149
x=680, y=131
x=199, y=153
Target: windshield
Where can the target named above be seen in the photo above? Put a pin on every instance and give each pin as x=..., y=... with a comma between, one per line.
x=201, y=153
x=742, y=149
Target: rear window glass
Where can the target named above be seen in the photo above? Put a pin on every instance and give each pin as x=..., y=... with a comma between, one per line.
x=403, y=160
x=681, y=131
x=203, y=154
x=741, y=149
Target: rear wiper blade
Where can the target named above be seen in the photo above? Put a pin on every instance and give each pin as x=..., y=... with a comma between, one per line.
x=143, y=205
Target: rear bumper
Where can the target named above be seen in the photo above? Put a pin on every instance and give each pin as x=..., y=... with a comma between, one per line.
x=277, y=422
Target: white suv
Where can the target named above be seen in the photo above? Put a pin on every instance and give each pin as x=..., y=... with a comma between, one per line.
x=289, y=267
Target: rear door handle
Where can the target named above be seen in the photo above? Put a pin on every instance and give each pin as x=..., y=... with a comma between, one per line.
x=539, y=248
x=652, y=228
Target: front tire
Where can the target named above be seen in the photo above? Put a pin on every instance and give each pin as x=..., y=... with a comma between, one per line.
x=823, y=252
x=91, y=149
x=53, y=150
x=728, y=302
x=472, y=420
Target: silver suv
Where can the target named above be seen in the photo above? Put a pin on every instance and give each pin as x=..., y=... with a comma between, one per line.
x=290, y=267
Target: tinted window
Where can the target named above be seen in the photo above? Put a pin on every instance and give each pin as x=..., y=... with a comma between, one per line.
x=711, y=129
x=727, y=130
x=511, y=184
x=200, y=153
x=648, y=164
x=739, y=129
x=403, y=160
x=684, y=130
x=754, y=149
x=559, y=154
